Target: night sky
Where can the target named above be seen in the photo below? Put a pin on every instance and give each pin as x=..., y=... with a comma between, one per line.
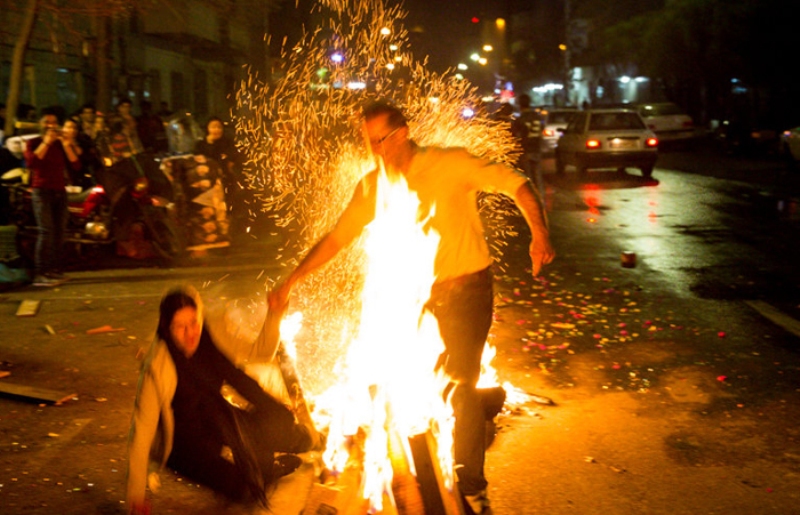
x=447, y=31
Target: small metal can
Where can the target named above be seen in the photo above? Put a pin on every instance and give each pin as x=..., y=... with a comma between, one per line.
x=628, y=259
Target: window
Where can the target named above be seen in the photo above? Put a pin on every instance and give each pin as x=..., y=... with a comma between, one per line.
x=200, y=92
x=177, y=97
x=615, y=121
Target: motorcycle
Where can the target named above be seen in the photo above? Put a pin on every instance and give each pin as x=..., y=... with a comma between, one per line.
x=131, y=196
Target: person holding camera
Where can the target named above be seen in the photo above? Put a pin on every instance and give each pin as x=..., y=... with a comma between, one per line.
x=48, y=158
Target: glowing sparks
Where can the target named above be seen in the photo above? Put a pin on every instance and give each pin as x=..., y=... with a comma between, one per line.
x=304, y=154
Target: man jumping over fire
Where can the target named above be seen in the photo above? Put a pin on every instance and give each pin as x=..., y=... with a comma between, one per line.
x=461, y=297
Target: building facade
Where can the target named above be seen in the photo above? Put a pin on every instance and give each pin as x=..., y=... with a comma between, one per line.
x=186, y=54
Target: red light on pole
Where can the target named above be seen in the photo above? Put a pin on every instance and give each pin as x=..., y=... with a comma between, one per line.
x=475, y=19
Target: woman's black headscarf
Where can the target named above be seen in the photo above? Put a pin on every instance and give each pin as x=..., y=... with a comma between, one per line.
x=175, y=300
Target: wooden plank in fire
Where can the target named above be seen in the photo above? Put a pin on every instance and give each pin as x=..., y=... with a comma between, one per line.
x=405, y=487
x=341, y=498
x=437, y=498
x=425, y=494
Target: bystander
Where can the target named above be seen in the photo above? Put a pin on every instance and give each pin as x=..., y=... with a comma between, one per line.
x=48, y=158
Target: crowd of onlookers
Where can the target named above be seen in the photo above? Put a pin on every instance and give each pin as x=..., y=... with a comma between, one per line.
x=77, y=150
x=105, y=139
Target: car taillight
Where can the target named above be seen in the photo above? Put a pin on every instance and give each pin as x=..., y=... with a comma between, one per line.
x=651, y=142
x=593, y=143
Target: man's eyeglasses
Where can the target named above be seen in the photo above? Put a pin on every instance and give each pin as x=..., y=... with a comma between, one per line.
x=379, y=141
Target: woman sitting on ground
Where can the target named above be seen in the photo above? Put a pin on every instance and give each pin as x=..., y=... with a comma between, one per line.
x=182, y=418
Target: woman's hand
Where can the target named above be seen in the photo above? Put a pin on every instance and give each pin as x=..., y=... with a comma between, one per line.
x=278, y=297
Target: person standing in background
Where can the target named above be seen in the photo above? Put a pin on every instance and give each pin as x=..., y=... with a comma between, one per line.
x=219, y=147
x=151, y=130
x=527, y=128
x=48, y=157
x=129, y=129
x=86, y=115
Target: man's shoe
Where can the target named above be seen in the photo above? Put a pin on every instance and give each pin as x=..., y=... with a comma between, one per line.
x=478, y=503
x=44, y=281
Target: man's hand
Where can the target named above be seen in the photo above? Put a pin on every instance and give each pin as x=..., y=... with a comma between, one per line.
x=140, y=508
x=50, y=136
x=541, y=252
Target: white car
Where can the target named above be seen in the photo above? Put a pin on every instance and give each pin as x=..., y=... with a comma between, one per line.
x=556, y=120
x=607, y=138
x=668, y=121
x=16, y=144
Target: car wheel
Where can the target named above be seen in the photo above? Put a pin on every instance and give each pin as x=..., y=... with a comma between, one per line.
x=647, y=171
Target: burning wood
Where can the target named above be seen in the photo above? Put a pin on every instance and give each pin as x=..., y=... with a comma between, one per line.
x=417, y=482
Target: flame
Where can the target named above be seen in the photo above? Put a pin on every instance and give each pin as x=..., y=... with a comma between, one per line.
x=387, y=381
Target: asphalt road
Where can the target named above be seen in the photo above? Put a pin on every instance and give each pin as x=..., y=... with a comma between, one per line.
x=673, y=392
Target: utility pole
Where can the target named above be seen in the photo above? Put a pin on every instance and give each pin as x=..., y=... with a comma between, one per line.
x=567, y=50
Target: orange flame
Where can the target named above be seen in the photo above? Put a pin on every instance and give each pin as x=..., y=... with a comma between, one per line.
x=388, y=381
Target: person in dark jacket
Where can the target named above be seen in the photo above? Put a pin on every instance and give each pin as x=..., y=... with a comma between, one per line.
x=48, y=157
x=182, y=419
x=151, y=130
x=86, y=151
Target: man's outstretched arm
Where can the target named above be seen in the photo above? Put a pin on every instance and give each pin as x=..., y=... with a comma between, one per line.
x=359, y=212
x=541, y=251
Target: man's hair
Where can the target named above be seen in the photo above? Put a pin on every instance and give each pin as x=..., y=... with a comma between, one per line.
x=51, y=111
x=124, y=101
x=524, y=100
x=395, y=116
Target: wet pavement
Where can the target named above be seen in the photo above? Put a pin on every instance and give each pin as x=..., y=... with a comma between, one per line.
x=673, y=394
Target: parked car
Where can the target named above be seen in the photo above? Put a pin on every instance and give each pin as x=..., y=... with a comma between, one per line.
x=790, y=147
x=607, y=138
x=556, y=120
x=16, y=144
x=668, y=121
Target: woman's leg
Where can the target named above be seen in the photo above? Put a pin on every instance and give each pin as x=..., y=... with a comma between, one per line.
x=200, y=459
